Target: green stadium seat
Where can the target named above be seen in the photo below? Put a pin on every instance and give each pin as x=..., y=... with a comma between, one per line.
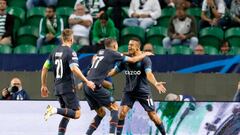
x=17, y=3
x=159, y=50
x=123, y=48
x=34, y=16
x=46, y=49
x=109, y=11
x=19, y=16
x=196, y=12
x=155, y=35
x=166, y=15
x=25, y=49
x=211, y=36
x=129, y=32
x=125, y=12
x=210, y=50
x=27, y=35
x=232, y=35
x=5, y=49
x=180, y=49
x=235, y=50
x=76, y=47
x=64, y=12
x=66, y=3
x=117, y=33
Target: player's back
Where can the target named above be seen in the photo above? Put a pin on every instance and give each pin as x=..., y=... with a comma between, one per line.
x=61, y=59
x=104, y=62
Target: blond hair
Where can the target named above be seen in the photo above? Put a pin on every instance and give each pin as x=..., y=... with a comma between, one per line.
x=67, y=35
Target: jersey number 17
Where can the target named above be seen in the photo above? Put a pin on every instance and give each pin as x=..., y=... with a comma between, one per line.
x=97, y=61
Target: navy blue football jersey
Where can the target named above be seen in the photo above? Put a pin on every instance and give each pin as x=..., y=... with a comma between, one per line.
x=136, y=79
x=104, y=62
x=61, y=59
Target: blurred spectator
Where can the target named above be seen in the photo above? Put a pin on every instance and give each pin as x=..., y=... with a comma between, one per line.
x=15, y=91
x=175, y=97
x=235, y=13
x=116, y=13
x=93, y=7
x=213, y=13
x=148, y=48
x=50, y=28
x=103, y=28
x=182, y=30
x=199, y=50
x=80, y=23
x=224, y=49
x=40, y=3
x=6, y=24
x=143, y=13
x=185, y=3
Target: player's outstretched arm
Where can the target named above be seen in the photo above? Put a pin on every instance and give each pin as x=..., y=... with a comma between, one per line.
x=139, y=57
x=44, y=89
x=76, y=71
x=159, y=85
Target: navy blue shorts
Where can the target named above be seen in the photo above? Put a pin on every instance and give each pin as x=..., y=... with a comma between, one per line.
x=98, y=98
x=69, y=100
x=144, y=99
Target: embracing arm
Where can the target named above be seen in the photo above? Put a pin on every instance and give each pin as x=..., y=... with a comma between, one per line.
x=139, y=57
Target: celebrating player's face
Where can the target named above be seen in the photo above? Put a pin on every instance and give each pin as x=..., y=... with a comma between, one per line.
x=132, y=46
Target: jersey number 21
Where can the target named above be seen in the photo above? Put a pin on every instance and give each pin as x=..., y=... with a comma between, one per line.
x=59, y=69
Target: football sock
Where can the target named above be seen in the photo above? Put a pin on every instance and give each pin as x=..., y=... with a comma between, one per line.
x=63, y=126
x=120, y=127
x=161, y=128
x=66, y=112
x=113, y=121
x=93, y=126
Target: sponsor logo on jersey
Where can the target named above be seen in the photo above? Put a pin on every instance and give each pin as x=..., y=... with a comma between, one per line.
x=127, y=72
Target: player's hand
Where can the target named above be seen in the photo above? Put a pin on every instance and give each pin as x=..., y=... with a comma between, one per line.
x=5, y=92
x=160, y=87
x=91, y=85
x=44, y=91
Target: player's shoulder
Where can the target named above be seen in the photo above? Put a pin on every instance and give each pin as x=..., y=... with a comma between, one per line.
x=69, y=50
x=146, y=59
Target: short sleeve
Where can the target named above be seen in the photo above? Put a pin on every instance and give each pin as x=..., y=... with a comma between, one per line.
x=119, y=67
x=48, y=62
x=147, y=64
x=109, y=79
x=72, y=59
x=89, y=17
x=119, y=56
x=204, y=6
x=221, y=7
